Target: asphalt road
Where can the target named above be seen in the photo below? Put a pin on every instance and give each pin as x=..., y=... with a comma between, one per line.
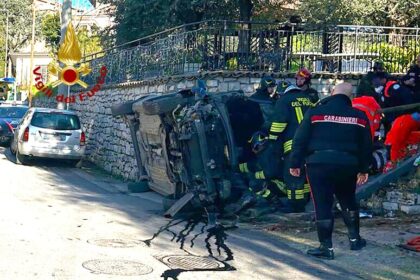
x=59, y=222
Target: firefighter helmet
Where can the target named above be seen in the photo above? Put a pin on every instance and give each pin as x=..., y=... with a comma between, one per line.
x=258, y=141
x=267, y=82
x=304, y=73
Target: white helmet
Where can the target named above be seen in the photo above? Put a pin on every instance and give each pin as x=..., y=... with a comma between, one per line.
x=291, y=87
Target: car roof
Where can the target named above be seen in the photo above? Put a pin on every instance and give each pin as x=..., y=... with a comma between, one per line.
x=52, y=110
x=13, y=106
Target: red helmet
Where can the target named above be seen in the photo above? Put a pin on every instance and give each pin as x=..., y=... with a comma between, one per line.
x=305, y=73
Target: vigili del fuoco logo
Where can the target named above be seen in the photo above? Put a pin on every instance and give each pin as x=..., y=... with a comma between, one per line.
x=69, y=54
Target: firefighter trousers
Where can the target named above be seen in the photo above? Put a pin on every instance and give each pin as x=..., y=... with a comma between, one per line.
x=297, y=189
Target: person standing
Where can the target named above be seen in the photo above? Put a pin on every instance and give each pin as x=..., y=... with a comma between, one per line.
x=287, y=116
x=335, y=142
x=412, y=79
x=367, y=83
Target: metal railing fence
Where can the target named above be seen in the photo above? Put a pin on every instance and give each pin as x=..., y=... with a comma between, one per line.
x=257, y=46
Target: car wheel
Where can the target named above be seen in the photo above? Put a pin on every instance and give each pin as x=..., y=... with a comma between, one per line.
x=21, y=159
x=163, y=104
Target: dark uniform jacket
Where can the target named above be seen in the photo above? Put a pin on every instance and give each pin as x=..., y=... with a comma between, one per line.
x=265, y=102
x=288, y=114
x=313, y=95
x=366, y=87
x=333, y=133
x=414, y=72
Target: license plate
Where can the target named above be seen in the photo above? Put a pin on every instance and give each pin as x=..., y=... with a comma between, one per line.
x=54, y=137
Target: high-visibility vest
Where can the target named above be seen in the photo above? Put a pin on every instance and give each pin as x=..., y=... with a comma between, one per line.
x=371, y=108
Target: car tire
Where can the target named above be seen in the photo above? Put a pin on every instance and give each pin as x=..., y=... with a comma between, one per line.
x=162, y=104
x=21, y=159
x=122, y=108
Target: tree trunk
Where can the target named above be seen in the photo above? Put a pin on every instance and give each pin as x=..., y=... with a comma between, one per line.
x=245, y=12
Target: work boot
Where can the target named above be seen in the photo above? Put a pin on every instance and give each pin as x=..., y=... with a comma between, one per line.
x=325, y=250
x=247, y=199
x=352, y=221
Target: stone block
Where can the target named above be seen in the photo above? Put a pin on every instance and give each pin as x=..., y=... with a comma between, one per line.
x=234, y=86
x=247, y=88
x=230, y=79
x=190, y=84
x=213, y=89
x=255, y=80
x=161, y=88
x=390, y=206
x=244, y=80
x=181, y=85
x=212, y=83
x=410, y=209
x=152, y=89
x=223, y=87
x=393, y=196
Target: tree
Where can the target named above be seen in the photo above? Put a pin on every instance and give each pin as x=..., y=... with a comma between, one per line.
x=365, y=12
x=89, y=40
x=50, y=29
x=20, y=25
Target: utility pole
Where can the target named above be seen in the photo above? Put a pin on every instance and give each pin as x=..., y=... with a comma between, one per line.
x=7, y=44
x=65, y=20
x=7, y=41
x=31, y=68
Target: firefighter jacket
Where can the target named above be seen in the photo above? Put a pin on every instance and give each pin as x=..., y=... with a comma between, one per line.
x=265, y=102
x=333, y=133
x=288, y=114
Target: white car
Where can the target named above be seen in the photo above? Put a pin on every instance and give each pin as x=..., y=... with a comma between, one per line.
x=49, y=133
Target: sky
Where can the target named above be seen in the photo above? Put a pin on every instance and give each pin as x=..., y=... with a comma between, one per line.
x=83, y=4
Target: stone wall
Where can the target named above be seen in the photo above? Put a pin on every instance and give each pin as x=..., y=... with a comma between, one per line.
x=109, y=142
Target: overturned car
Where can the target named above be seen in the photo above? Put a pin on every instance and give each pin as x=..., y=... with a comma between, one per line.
x=188, y=143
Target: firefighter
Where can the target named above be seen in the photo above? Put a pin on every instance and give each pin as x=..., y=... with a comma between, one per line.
x=335, y=142
x=263, y=173
x=366, y=86
x=303, y=81
x=403, y=139
x=266, y=96
x=288, y=114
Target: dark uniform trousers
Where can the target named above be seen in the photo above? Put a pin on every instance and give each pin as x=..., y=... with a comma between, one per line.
x=327, y=180
x=297, y=189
